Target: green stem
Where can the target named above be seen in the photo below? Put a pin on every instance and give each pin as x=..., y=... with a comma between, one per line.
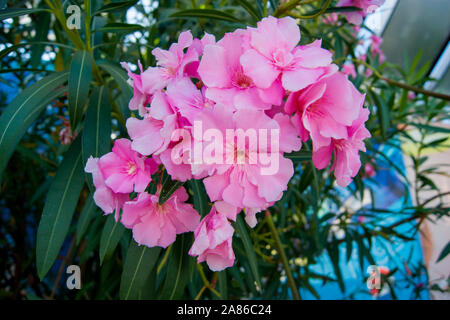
x=286, y=7
x=87, y=24
x=284, y=261
x=318, y=13
x=402, y=85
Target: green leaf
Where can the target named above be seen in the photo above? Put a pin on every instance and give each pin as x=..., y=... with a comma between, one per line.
x=297, y=156
x=86, y=216
x=17, y=12
x=250, y=9
x=97, y=125
x=383, y=112
x=120, y=27
x=116, y=6
x=334, y=9
x=222, y=281
x=59, y=207
x=79, y=81
x=445, y=252
x=112, y=232
x=431, y=128
x=201, y=199
x=23, y=111
x=168, y=188
x=139, y=263
x=177, y=273
x=41, y=34
x=7, y=50
x=333, y=253
x=120, y=76
x=205, y=13
x=248, y=246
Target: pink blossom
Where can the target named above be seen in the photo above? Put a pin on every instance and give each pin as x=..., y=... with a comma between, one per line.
x=152, y=134
x=140, y=98
x=346, y=158
x=125, y=170
x=66, y=136
x=171, y=63
x=349, y=70
x=243, y=184
x=376, y=48
x=366, y=6
x=104, y=197
x=221, y=71
x=325, y=109
x=369, y=170
x=213, y=241
x=274, y=52
x=331, y=19
x=158, y=225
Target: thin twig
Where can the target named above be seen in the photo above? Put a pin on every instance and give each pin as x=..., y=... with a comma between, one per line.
x=284, y=261
x=61, y=268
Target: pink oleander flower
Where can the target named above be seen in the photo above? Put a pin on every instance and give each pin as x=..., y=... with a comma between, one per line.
x=104, y=197
x=349, y=70
x=213, y=241
x=66, y=136
x=171, y=63
x=125, y=170
x=158, y=225
x=346, y=151
x=324, y=110
x=274, y=52
x=140, y=98
x=376, y=48
x=331, y=19
x=152, y=134
x=369, y=170
x=411, y=95
x=248, y=182
x=367, y=7
x=221, y=71
x=176, y=108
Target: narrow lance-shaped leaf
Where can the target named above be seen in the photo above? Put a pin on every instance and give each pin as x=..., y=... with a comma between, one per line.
x=79, y=81
x=23, y=111
x=121, y=78
x=250, y=9
x=168, y=188
x=205, y=13
x=201, y=199
x=97, y=125
x=139, y=263
x=17, y=12
x=177, y=270
x=59, y=207
x=111, y=234
x=86, y=216
x=445, y=252
x=245, y=238
x=120, y=27
x=116, y=6
x=297, y=156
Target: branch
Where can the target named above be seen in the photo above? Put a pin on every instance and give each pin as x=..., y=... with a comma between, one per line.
x=290, y=278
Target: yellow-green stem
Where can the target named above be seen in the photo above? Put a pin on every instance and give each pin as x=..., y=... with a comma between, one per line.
x=282, y=254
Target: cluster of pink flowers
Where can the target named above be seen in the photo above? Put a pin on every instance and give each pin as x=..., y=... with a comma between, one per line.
x=366, y=6
x=257, y=78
